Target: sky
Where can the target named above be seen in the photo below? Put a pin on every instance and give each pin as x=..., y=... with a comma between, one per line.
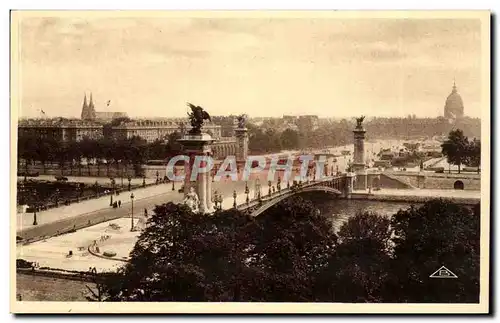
x=150, y=67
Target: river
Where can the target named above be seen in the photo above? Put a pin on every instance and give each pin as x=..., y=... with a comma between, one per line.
x=341, y=210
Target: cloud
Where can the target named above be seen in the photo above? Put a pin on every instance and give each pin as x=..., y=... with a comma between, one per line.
x=289, y=64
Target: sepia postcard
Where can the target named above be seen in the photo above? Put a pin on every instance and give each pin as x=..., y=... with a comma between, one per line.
x=250, y=162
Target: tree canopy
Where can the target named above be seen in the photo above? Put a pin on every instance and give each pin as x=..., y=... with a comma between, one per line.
x=460, y=150
x=291, y=253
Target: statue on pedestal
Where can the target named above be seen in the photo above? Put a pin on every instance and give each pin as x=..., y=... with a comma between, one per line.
x=192, y=200
x=242, y=119
x=197, y=118
x=359, y=122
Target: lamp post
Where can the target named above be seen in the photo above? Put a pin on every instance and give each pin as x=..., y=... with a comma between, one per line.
x=35, y=208
x=214, y=199
x=257, y=188
x=112, y=192
x=220, y=201
x=173, y=179
x=247, y=191
x=132, y=213
x=234, y=199
x=121, y=172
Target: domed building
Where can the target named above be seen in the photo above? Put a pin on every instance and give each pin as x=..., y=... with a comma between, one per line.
x=454, y=106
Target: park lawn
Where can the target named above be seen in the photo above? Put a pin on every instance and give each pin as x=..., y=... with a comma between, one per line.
x=39, y=288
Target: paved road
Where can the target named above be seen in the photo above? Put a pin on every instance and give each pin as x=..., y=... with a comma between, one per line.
x=92, y=180
x=78, y=215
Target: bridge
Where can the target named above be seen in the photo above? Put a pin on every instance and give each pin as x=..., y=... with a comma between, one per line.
x=338, y=186
x=341, y=186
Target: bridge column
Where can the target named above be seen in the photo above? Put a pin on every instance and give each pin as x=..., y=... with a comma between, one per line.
x=348, y=185
x=358, y=165
x=198, y=145
x=241, y=144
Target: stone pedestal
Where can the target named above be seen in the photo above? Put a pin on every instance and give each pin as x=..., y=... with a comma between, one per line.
x=241, y=135
x=421, y=180
x=361, y=181
x=358, y=165
x=198, y=145
x=349, y=184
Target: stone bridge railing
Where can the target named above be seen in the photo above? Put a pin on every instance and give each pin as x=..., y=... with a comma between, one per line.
x=335, y=184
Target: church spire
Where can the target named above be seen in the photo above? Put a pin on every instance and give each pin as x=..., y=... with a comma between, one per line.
x=91, y=104
x=85, y=108
x=85, y=100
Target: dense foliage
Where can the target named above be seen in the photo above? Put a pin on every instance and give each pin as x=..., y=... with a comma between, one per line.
x=120, y=152
x=459, y=150
x=276, y=134
x=291, y=254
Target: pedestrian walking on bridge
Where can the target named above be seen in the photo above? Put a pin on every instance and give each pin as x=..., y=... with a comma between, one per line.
x=119, y=203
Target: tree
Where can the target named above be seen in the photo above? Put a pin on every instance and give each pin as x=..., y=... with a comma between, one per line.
x=360, y=266
x=46, y=150
x=173, y=146
x=196, y=252
x=474, y=154
x=227, y=256
x=26, y=149
x=292, y=243
x=289, y=139
x=456, y=148
x=439, y=233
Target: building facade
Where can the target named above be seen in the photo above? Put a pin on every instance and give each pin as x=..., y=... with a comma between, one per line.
x=152, y=130
x=61, y=129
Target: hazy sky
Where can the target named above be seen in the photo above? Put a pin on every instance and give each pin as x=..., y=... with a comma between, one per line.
x=263, y=67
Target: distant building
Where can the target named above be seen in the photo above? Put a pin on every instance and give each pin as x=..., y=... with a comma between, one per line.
x=152, y=130
x=89, y=112
x=61, y=129
x=110, y=115
x=454, y=106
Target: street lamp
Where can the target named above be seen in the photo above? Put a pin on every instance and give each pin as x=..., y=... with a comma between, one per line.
x=57, y=197
x=214, y=199
x=96, y=186
x=132, y=213
x=247, y=191
x=234, y=198
x=35, y=206
x=112, y=192
x=174, y=171
x=219, y=199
